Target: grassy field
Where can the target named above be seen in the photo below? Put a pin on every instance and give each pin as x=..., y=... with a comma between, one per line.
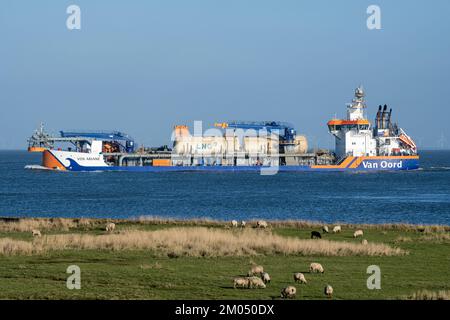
x=198, y=259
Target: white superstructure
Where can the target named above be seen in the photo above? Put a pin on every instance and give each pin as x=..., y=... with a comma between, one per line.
x=356, y=137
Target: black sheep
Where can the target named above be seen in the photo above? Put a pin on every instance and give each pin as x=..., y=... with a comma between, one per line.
x=315, y=234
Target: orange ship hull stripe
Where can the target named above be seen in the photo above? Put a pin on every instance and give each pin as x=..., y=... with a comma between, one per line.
x=50, y=161
x=343, y=165
x=347, y=163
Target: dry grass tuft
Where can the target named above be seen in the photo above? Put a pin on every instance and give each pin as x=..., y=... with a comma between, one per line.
x=65, y=224
x=28, y=224
x=83, y=222
x=203, y=222
x=403, y=239
x=9, y=247
x=211, y=242
x=434, y=229
x=430, y=295
x=436, y=237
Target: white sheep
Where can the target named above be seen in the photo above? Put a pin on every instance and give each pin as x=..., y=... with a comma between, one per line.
x=256, y=270
x=265, y=277
x=328, y=291
x=234, y=223
x=261, y=224
x=358, y=233
x=364, y=242
x=337, y=229
x=243, y=223
x=241, y=283
x=255, y=282
x=110, y=227
x=36, y=233
x=288, y=292
x=299, y=277
x=316, y=267
x=325, y=229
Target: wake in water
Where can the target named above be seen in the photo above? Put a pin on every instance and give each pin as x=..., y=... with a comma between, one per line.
x=437, y=168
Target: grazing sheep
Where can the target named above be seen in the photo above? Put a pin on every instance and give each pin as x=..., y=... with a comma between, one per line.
x=243, y=223
x=255, y=283
x=234, y=223
x=315, y=234
x=288, y=292
x=36, y=233
x=358, y=233
x=328, y=291
x=256, y=270
x=265, y=277
x=337, y=229
x=325, y=229
x=364, y=242
x=241, y=283
x=110, y=227
x=299, y=277
x=261, y=224
x=316, y=267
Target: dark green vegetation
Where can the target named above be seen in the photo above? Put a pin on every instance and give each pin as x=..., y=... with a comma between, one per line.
x=139, y=274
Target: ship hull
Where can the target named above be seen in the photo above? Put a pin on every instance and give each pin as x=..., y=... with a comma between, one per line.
x=72, y=161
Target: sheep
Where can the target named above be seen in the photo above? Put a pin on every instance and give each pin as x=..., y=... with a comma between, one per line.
x=364, y=242
x=325, y=229
x=255, y=282
x=261, y=224
x=299, y=277
x=337, y=229
x=315, y=234
x=234, y=223
x=358, y=233
x=256, y=270
x=36, y=233
x=288, y=292
x=241, y=283
x=243, y=223
x=328, y=291
x=265, y=277
x=316, y=267
x=110, y=227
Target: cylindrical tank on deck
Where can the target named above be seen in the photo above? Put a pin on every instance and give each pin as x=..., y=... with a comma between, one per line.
x=301, y=144
x=185, y=144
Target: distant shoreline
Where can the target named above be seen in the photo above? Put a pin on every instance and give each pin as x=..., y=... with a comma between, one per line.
x=207, y=222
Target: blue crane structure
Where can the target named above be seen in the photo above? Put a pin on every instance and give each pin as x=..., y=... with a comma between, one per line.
x=122, y=138
x=284, y=130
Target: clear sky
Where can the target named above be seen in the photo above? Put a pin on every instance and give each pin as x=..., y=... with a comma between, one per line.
x=144, y=66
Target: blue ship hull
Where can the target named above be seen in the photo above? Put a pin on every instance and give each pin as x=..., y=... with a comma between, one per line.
x=393, y=163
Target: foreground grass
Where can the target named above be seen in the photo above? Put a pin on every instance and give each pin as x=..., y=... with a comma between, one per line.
x=137, y=273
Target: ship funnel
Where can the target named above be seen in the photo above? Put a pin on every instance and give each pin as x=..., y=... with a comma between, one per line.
x=383, y=118
x=378, y=117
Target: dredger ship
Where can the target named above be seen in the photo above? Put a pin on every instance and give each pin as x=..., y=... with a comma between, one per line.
x=266, y=146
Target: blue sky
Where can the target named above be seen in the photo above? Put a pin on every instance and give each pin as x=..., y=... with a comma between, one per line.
x=144, y=66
